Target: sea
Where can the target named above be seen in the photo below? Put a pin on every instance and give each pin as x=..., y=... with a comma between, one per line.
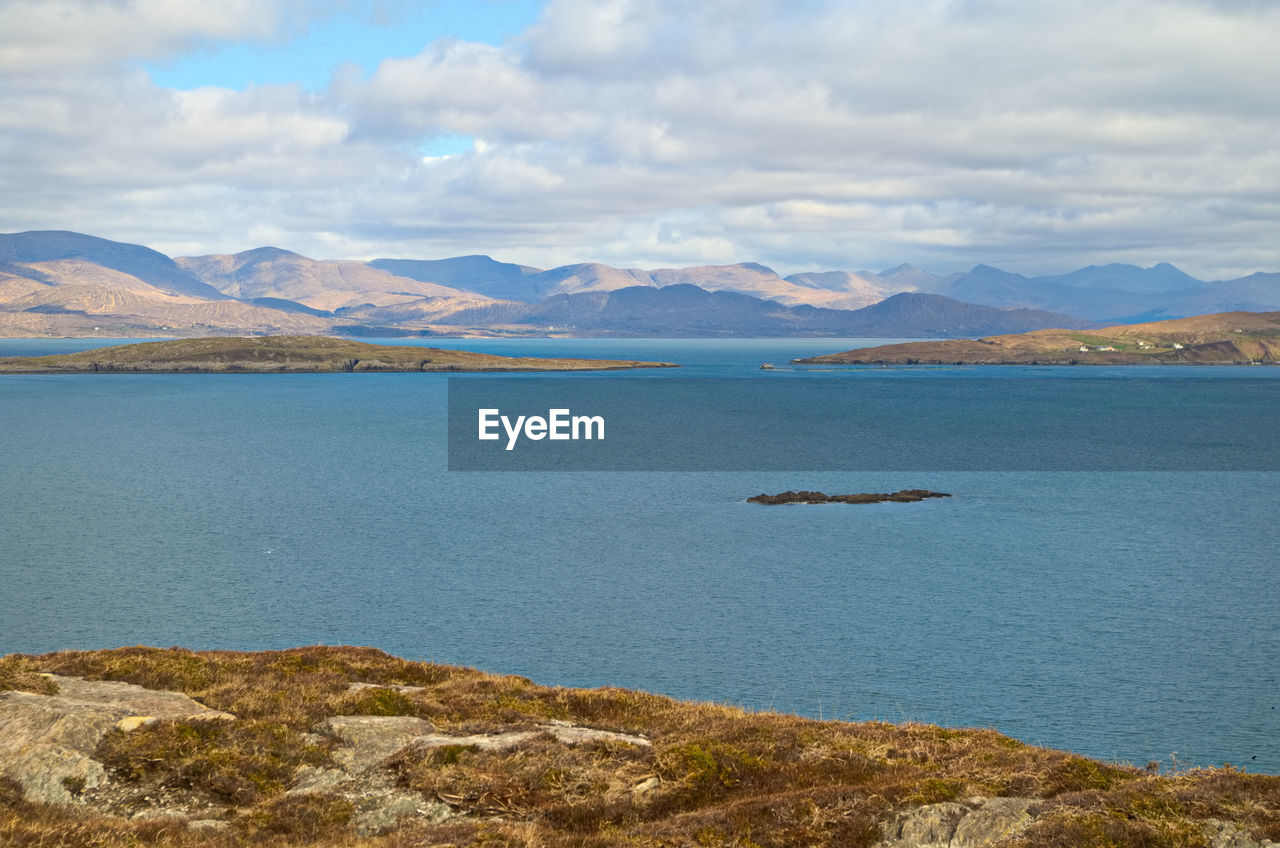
x=1127, y=614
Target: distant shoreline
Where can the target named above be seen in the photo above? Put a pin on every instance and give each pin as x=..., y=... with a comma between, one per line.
x=293, y=355
x=1229, y=338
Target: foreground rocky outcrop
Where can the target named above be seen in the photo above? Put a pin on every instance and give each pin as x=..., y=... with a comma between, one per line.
x=47, y=740
x=982, y=822
x=350, y=747
x=362, y=746
x=805, y=497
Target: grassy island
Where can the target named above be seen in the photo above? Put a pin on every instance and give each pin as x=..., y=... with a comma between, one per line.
x=1228, y=338
x=290, y=354
x=338, y=746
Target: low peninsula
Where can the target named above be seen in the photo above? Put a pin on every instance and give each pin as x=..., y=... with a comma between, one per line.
x=1228, y=338
x=342, y=746
x=803, y=497
x=290, y=354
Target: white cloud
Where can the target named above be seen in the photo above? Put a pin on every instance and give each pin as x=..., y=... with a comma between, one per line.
x=55, y=36
x=644, y=132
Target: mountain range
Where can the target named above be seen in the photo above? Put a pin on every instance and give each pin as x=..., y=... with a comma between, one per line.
x=70, y=284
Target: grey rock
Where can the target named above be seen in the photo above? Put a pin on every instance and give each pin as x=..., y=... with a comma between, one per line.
x=45, y=771
x=647, y=785
x=482, y=741
x=208, y=824
x=977, y=823
x=929, y=826
x=382, y=813
x=365, y=743
x=1229, y=835
x=360, y=687
x=46, y=741
x=572, y=734
x=158, y=813
x=315, y=779
x=982, y=822
x=568, y=734
x=368, y=740
x=993, y=821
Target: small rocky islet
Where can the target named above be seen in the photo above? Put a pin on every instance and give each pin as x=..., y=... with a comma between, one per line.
x=806, y=497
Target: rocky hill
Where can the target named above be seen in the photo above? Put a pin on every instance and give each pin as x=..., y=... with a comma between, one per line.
x=284, y=276
x=57, y=257
x=337, y=747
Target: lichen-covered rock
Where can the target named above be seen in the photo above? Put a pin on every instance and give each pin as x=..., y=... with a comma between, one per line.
x=368, y=740
x=382, y=813
x=930, y=826
x=573, y=734
x=1228, y=835
x=365, y=742
x=978, y=823
x=996, y=819
x=46, y=741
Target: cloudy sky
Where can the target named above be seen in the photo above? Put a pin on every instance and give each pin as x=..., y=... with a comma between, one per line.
x=807, y=135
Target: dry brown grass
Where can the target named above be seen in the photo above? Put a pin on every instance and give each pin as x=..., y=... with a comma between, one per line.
x=238, y=763
x=727, y=777
x=23, y=674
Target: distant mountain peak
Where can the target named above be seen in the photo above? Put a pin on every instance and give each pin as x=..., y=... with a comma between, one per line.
x=992, y=272
x=144, y=263
x=904, y=268
x=266, y=254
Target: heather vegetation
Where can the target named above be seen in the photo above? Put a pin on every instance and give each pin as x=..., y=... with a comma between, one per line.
x=711, y=775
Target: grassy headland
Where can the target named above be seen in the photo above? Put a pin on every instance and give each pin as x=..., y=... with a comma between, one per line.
x=705, y=775
x=290, y=354
x=1228, y=338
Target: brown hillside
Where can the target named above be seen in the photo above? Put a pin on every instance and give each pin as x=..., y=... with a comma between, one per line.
x=1236, y=338
x=351, y=747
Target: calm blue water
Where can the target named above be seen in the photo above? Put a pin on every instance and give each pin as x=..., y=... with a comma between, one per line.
x=1124, y=615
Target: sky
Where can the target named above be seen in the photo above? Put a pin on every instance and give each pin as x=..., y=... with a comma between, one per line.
x=1036, y=136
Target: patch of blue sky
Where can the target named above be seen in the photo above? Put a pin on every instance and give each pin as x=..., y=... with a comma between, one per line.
x=446, y=144
x=359, y=34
